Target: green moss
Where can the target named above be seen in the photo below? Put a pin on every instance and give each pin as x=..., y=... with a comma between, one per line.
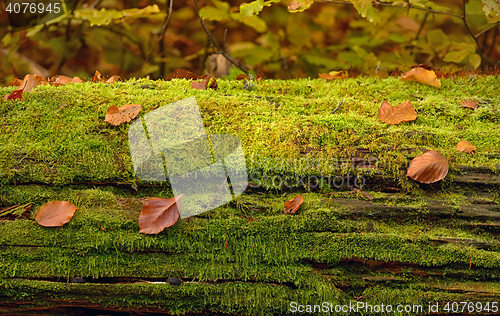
x=54, y=145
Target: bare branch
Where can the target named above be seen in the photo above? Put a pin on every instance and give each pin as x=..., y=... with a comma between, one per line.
x=215, y=42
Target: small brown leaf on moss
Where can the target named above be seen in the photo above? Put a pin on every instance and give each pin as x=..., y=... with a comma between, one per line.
x=98, y=77
x=334, y=75
x=293, y=205
x=428, y=168
x=158, y=214
x=116, y=116
x=182, y=74
x=466, y=147
x=55, y=213
x=403, y=112
x=114, y=79
x=422, y=75
x=469, y=104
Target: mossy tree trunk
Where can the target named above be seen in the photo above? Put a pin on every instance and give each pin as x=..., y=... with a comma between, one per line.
x=391, y=241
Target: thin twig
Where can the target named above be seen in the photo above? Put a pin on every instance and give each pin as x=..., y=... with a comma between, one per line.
x=337, y=106
x=225, y=43
x=421, y=28
x=464, y=19
x=164, y=27
x=213, y=40
x=487, y=29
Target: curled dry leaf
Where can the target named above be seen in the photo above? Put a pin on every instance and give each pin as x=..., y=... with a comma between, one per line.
x=116, y=116
x=403, y=112
x=210, y=82
x=242, y=77
x=15, y=83
x=293, y=205
x=14, y=95
x=98, y=77
x=422, y=75
x=469, y=104
x=334, y=75
x=182, y=74
x=428, y=168
x=158, y=214
x=32, y=81
x=466, y=147
x=29, y=82
x=62, y=80
x=113, y=79
x=55, y=213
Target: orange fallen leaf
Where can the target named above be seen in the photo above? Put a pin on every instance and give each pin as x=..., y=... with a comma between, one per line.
x=428, y=168
x=32, y=81
x=158, y=214
x=182, y=74
x=98, y=77
x=242, y=77
x=469, y=104
x=293, y=205
x=466, y=147
x=207, y=81
x=422, y=75
x=55, y=213
x=114, y=79
x=200, y=85
x=334, y=75
x=62, y=80
x=14, y=95
x=116, y=116
x=29, y=82
x=15, y=83
x=403, y=112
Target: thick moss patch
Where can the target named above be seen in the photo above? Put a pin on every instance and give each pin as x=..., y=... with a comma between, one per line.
x=434, y=243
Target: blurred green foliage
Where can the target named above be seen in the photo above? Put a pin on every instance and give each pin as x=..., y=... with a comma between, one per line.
x=282, y=39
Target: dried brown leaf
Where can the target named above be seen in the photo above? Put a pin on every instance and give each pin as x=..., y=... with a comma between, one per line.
x=428, y=168
x=113, y=79
x=293, y=205
x=62, y=80
x=126, y=113
x=98, y=77
x=15, y=83
x=158, y=214
x=14, y=95
x=422, y=75
x=55, y=213
x=403, y=112
x=334, y=75
x=242, y=77
x=182, y=74
x=469, y=104
x=200, y=85
x=466, y=147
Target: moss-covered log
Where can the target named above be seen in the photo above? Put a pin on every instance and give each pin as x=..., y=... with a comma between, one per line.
x=365, y=233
